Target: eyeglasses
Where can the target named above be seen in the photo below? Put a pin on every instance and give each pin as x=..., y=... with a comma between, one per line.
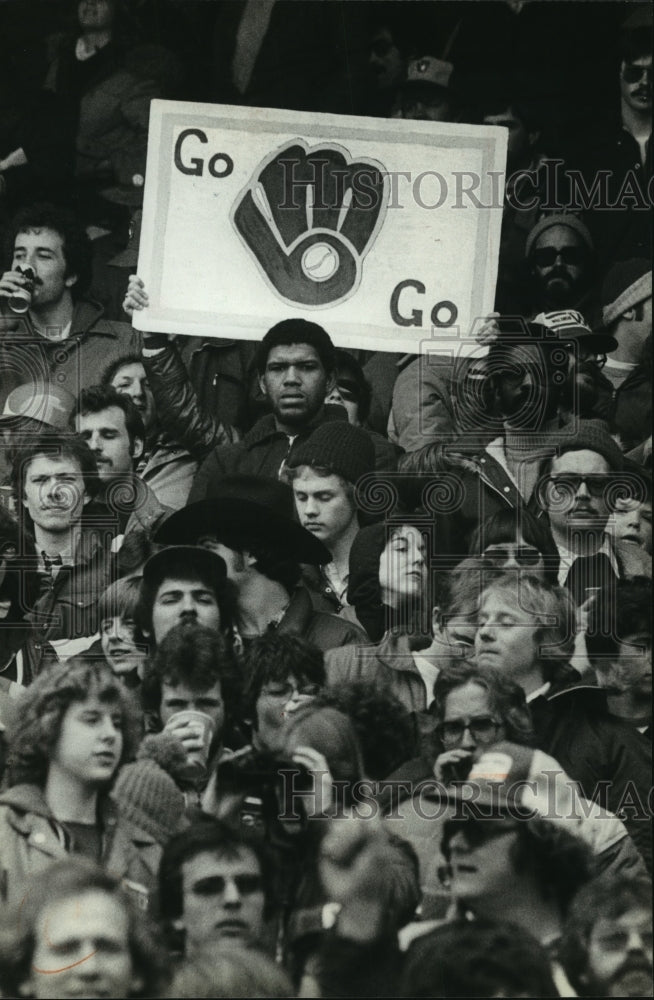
x=524, y=555
x=287, y=690
x=631, y=73
x=482, y=728
x=560, y=487
x=547, y=256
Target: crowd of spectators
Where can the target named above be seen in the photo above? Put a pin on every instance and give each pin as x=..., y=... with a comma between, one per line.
x=326, y=672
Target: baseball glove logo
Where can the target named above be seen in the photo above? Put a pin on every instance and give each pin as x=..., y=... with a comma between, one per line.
x=309, y=217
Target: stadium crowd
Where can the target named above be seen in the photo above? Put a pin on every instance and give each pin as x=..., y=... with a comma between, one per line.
x=326, y=672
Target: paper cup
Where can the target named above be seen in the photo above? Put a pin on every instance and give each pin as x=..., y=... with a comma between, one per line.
x=204, y=725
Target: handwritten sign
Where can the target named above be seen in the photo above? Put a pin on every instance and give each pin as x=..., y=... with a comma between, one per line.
x=385, y=232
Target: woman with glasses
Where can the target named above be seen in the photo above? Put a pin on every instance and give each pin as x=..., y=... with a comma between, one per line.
x=475, y=709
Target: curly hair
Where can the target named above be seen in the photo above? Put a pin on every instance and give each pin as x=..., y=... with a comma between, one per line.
x=559, y=862
x=606, y=898
x=275, y=657
x=76, y=244
x=36, y=726
x=197, y=656
x=506, y=698
x=71, y=879
x=385, y=729
x=296, y=331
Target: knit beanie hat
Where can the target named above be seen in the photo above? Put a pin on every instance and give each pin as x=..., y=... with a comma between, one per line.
x=627, y=283
x=559, y=219
x=593, y=435
x=146, y=792
x=346, y=449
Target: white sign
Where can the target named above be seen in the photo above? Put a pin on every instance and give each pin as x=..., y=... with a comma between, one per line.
x=385, y=232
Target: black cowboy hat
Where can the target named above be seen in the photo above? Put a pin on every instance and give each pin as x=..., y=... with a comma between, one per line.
x=245, y=509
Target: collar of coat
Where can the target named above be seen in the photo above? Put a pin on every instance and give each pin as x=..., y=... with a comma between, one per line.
x=266, y=428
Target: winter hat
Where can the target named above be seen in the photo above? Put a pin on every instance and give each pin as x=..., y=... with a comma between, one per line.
x=146, y=792
x=340, y=446
x=593, y=435
x=559, y=219
x=626, y=284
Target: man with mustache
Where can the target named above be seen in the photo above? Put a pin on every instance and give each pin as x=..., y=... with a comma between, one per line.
x=574, y=491
x=62, y=337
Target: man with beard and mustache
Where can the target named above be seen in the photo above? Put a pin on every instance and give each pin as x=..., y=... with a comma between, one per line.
x=607, y=946
x=560, y=261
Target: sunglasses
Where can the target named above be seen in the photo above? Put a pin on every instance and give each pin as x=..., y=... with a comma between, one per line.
x=547, y=256
x=632, y=73
x=568, y=484
x=477, y=831
x=588, y=356
x=524, y=555
x=482, y=728
x=215, y=885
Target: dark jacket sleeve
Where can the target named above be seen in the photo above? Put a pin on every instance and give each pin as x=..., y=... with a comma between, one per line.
x=178, y=409
x=349, y=969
